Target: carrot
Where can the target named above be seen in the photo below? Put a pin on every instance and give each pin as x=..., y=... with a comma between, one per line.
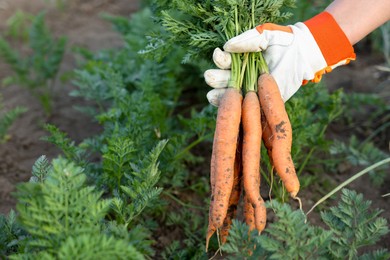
x=249, y=217
x=234, y=196
x=266, y=134
x=224, y=153
x=210, y=229
x=249, y=213
x=251, y=122
x=211, y=226
x=275, y=112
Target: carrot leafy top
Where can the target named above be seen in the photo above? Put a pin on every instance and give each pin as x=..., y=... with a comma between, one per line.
x=201, y=26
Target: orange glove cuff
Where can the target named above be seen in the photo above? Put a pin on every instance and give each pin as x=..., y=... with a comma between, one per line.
x=331, y=40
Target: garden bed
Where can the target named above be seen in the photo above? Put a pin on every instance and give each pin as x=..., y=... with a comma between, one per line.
x=82, y=24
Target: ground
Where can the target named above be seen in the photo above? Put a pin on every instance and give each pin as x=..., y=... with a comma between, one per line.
x=83, y=26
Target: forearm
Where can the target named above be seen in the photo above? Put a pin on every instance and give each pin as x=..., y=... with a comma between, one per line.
x=357, y=18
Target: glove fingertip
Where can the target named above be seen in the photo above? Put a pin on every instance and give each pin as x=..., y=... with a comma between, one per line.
x=217, y=78
x=214, y=96
x=222, y=59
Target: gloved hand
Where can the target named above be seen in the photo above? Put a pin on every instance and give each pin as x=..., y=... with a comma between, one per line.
x=295, y=54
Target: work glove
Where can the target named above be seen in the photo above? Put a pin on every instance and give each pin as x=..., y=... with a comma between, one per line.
x=295, y=54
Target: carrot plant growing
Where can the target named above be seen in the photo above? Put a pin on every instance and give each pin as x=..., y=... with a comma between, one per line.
x=7, y=118
x=350, y=227
x=37, y=70
x=64, y=217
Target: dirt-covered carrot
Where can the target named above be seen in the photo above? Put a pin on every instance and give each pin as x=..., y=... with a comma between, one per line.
x=234, y=196
x=277, y=118
x=211, y=227
x=224, y=147
x=251, y=122
x=266, y=134
x=249, y=213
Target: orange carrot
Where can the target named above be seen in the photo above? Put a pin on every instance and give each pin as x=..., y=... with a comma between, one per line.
x=275, y=112
x=211, y=227
x=249, y=213
x=234, y=196
x=267, y=135
x=251, y=123
x=223, y=158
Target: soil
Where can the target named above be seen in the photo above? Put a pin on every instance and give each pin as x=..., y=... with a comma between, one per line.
x=81, y=23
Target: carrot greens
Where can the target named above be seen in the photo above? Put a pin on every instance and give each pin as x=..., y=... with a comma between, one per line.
x=201, y=26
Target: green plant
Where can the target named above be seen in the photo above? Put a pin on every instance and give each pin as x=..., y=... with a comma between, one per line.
x=36, y=70
x=139, y=184
x=7, y=118
x=17, y=25
x=350, y=227
x=144, y=104
x=12, y=235
x=359, y=153
x=71, y=151
x=138, y=108
x=367, y=129
x=65, y=218
x=40, y=169
x=201, y=26
x=192, y=224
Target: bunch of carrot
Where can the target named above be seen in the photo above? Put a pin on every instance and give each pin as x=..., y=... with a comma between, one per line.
x=250, y=110
x=235, y=164
x=242, y=123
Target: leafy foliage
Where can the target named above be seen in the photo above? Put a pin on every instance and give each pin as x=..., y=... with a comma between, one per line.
x=193, y=227
x=140, y=187
x=40, y=170
x=354, y=225
x=12, y=235
x=374, y=106
x=60, y=207
x=137, y=115
x=365, y=144
x=141, y=104
x=7, y=118
x=359, y=153
x=204, y=25
x=36, y=71
x=70, y=150
x=350, y=226
x=65, y=218
x=17, y=25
